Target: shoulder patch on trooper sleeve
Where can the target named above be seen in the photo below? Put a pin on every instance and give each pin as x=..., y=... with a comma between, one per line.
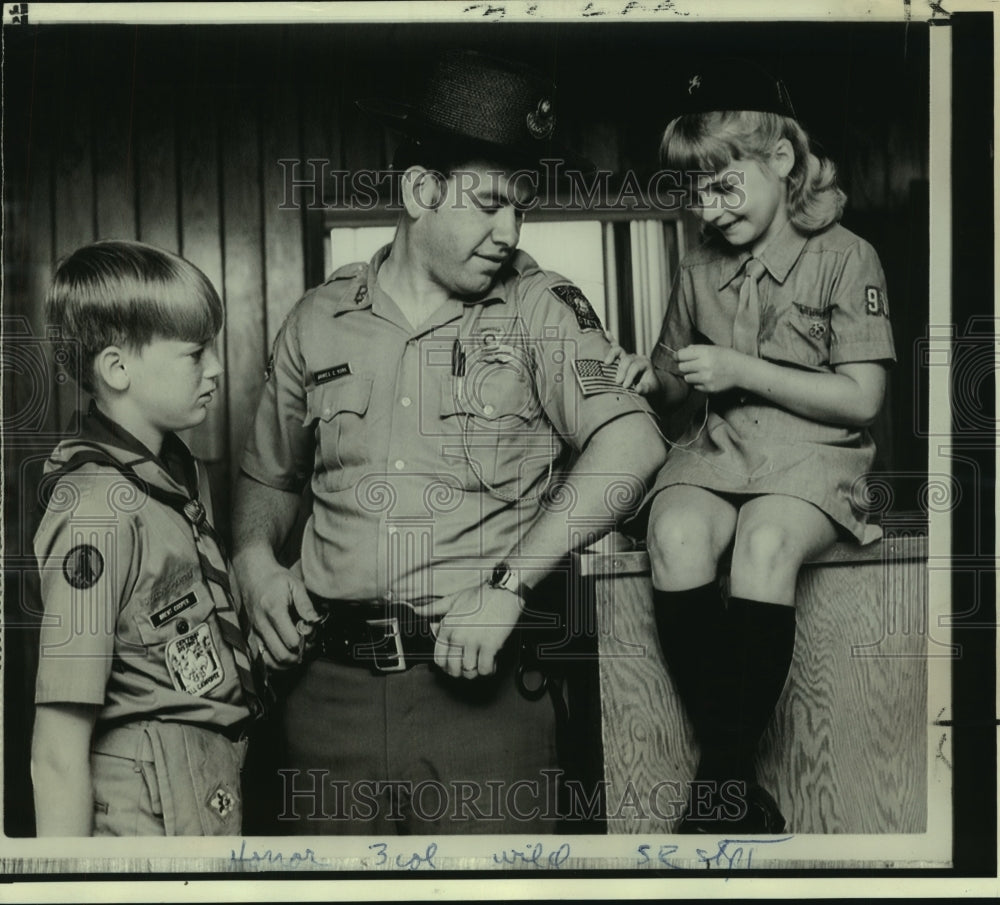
x=83, y=566
x=571, y=295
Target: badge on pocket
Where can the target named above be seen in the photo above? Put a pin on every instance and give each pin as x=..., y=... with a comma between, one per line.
x=193, y=662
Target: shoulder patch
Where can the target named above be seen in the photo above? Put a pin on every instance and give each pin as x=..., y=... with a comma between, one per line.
x=586, y=317
x=875, y=303
x=83, y=566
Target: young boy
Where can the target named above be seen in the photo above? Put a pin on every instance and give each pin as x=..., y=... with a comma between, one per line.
x=146, y=681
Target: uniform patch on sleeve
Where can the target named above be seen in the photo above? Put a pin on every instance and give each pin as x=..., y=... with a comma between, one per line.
x=221, y=802
x=193, y=662
x=83, y=566
x=586, y=317
x=875, y=303
x=594, y=377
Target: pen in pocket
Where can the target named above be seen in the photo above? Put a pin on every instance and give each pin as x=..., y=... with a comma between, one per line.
x=457, y=359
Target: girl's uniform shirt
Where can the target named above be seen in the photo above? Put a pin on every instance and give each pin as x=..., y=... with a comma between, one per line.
x=822, y=303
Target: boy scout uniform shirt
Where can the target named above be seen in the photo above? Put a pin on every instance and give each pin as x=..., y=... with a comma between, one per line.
x=399, y=428
x=129, y=620
x=822, y=304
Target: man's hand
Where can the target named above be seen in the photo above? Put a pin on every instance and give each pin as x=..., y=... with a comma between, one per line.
x=635, y=371
x=477, y=623
x=278, y=600
x=711, y=369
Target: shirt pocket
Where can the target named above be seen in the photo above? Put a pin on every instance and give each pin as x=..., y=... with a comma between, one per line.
x=338, y=410
x=190, y=648
x=487, y=427
x=179, y=613
x=802, y=336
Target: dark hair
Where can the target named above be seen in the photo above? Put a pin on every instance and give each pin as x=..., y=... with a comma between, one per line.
x=443, y=159
x=447, y=157
x=125, y=293
x=711, y=141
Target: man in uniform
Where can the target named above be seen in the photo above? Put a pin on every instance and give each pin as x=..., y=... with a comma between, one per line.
x=433, y=397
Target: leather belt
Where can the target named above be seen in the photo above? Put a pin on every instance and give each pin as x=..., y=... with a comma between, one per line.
x=384, y=636
x=388, y=637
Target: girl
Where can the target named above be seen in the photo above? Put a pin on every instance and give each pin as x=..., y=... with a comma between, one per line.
x=780, y=320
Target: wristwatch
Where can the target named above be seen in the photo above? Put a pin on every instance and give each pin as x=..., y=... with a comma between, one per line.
x=505, y=578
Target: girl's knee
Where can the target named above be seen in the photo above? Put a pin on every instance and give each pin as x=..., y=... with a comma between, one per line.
x=682, y=548
x=765, y=548
x=673, y=535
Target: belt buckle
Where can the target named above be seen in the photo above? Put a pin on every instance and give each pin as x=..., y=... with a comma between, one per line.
x=391, y=626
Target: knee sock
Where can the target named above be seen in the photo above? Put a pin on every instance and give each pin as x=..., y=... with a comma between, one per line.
x=688, y=624
x=760, y=638
x=729, y=665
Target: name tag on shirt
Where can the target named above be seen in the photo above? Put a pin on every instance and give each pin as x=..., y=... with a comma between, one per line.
x=172, y=609
x=328, y=374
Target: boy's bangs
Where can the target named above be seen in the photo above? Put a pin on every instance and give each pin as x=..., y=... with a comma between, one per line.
x=183, y=307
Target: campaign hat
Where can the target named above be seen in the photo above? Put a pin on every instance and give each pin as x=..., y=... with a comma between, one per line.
x=491, y=104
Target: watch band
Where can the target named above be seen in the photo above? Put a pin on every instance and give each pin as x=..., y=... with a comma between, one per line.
x=505, y=578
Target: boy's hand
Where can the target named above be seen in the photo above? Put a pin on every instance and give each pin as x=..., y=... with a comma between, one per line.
x=635, y=371
x=278, y=603
x=711, y=369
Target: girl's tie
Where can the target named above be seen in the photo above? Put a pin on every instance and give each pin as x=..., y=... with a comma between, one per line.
x=746, y=327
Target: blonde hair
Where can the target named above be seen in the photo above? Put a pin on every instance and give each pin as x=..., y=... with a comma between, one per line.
x=711, y=141
x=125, y=293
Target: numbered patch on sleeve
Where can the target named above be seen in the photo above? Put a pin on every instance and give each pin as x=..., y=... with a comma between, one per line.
x=875, y=303
x=83, y=566
x=586, y=317
x=193, y=662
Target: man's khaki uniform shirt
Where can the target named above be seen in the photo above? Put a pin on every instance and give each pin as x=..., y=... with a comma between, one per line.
x=400, y=430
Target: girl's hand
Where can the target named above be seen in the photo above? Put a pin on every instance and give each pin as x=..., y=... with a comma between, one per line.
x=634, y=371
x=711, y=369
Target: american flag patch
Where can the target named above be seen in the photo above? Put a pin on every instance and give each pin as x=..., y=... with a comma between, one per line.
x=596, y=377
